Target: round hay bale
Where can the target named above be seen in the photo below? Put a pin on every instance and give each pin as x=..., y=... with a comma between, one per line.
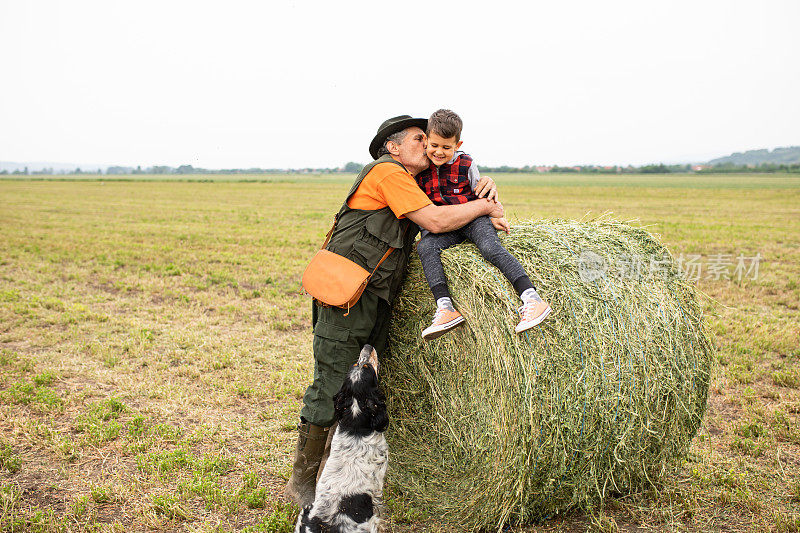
x=490, y=427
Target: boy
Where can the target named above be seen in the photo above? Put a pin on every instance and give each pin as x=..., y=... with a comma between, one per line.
x=450, y=179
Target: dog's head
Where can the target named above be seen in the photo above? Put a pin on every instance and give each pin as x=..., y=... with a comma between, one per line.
x=360, y=406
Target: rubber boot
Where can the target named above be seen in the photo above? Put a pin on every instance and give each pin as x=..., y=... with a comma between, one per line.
x=307, y=457
x=327, y=451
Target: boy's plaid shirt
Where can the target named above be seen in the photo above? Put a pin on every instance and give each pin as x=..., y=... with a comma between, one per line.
x=449, y=183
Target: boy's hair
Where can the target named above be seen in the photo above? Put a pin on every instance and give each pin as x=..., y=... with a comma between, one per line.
x=446, y=124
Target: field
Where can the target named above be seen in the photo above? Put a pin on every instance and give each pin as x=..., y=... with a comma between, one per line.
x=154, y=348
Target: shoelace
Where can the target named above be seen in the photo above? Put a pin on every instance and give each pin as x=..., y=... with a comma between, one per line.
x=525, y=310
x=439, y=312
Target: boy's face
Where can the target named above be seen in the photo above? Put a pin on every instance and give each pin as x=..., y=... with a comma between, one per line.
x=441, y=150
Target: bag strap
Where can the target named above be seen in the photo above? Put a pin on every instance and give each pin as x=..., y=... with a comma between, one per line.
x=366, y=281
x=328, y=236
x=388, y=252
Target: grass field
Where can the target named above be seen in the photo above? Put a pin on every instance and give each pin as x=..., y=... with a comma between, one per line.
x=154, y=348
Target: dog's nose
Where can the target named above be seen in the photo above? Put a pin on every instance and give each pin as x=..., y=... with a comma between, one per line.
x=368, y=355
x=363, y=357
x=373, y=358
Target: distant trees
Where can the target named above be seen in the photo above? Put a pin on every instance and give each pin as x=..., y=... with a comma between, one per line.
x=190, y=169
x=43, y=172
x=767, y=168
x=660, y=168
x=785, y=155
x=353, y=167
x=185, y=169
x=559, y=169
x=119, y=170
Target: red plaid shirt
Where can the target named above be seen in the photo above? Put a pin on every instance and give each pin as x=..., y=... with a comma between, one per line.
x=449, y=183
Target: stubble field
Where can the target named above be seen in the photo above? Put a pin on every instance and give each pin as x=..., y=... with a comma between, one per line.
x=154, y=348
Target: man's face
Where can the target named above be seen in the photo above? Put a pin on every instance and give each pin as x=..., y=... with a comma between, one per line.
x=412, y=151
x=441, y=150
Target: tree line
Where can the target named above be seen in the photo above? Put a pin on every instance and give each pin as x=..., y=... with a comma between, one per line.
x=648, y=169
x=353, y=167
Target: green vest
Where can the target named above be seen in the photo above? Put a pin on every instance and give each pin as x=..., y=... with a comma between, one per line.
x=364, y=236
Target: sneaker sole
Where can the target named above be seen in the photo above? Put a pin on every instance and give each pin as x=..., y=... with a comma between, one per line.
x=535, y=322
x=441, y=330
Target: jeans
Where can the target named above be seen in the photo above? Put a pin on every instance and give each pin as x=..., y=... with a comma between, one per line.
x=481, y=232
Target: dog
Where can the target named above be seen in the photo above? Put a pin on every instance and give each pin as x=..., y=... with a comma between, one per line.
x=349, y=490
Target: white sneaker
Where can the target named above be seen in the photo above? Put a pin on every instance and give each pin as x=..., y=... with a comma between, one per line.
x=531, y=314
x=443, y=321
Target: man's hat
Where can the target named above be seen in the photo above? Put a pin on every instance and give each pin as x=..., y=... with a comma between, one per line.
x=392, y=126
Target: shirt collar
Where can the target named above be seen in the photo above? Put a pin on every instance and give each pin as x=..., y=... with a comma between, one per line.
x=455, y=156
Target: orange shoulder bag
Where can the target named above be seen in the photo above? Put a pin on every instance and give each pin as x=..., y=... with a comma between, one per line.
x=334, y=280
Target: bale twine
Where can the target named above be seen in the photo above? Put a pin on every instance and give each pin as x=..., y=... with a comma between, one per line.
x=490, y=427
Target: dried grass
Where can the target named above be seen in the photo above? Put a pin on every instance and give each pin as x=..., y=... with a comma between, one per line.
x=491, y=428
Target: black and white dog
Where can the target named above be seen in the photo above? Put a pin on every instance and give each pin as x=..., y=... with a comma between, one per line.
x=348, y=494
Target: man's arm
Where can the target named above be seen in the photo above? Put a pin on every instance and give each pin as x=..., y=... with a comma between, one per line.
x=444, y=218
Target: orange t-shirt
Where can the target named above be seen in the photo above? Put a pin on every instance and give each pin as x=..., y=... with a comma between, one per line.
x=388, y=184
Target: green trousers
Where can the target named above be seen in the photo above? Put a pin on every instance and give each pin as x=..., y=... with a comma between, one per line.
x=338, y=340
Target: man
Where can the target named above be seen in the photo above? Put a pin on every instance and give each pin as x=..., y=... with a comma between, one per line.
x=382, y=210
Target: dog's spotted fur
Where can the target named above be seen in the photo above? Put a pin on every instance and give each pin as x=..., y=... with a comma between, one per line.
x=348, y=494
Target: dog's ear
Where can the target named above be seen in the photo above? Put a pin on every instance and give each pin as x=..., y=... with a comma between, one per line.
x=342, y=401
x=379, y=419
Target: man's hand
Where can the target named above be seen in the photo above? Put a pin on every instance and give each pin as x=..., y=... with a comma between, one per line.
x=486, y=187
x=501, y=224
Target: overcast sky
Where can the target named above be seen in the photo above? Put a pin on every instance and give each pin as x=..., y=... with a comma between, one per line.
x=306, y=83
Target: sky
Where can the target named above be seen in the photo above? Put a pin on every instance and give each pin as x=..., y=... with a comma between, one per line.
x=290, y=84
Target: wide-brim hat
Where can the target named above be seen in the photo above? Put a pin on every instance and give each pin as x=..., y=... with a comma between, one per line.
x=392, y=126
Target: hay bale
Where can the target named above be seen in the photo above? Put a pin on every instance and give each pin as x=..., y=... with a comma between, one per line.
x=490, y=427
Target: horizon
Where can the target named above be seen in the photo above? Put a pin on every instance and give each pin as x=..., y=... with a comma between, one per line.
x=35, y=166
